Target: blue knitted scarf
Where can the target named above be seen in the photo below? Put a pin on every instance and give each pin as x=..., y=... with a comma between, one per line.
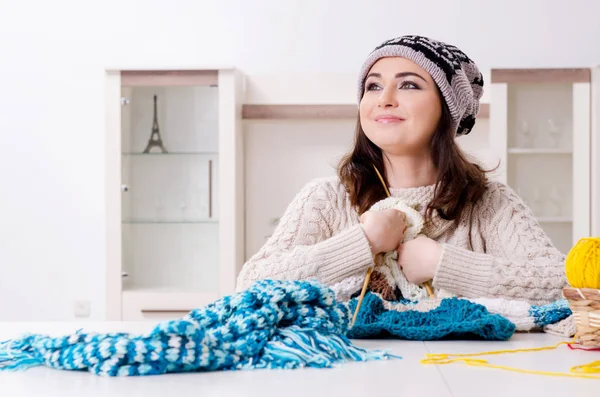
x=273, y=324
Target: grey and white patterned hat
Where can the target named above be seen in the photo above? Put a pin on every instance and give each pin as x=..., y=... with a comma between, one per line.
x=456, y=75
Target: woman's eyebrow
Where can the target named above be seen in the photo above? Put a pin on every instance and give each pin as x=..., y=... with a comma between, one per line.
x=398, y=75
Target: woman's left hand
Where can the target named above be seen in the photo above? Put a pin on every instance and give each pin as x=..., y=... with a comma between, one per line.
x=418, y=259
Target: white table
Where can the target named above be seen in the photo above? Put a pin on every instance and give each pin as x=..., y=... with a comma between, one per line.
x=404, y=377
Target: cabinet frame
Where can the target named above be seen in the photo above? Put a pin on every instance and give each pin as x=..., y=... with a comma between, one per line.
x=231, y=182
x=595, y=152
x=582, y=158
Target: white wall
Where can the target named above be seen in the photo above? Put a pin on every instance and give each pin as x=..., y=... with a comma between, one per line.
x=51, y=97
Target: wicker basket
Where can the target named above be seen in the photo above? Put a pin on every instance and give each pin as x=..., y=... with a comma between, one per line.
x=585, y=305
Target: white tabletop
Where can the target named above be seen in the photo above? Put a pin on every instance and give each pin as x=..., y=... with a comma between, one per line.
x=404, y=377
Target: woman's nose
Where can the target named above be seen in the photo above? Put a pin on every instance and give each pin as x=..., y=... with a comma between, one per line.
x=387, y=98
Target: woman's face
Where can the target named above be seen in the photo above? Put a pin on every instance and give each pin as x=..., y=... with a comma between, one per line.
x=401, y=107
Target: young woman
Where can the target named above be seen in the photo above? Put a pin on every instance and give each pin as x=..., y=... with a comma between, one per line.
x=416, y=96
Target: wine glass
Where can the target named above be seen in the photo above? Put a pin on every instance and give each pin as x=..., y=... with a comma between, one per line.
x=183, y=208
x=537, y=202
x=554, y=132
x=555, y=201
x=527, y=133
x=159, y=208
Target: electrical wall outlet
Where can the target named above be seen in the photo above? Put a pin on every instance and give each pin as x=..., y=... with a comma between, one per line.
x=81, y=308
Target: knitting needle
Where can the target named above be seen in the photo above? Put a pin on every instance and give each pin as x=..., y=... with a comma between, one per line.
x=427, y=285
x=362, y=295
x=368, y=276
x=382, y=182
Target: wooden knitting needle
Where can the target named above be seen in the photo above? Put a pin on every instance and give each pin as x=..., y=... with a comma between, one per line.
x=427, y=285
x=362, y=295
x=368, y=276
x=382, y=181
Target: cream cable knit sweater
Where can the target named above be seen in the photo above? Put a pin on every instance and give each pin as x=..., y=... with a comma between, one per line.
x=497, y=250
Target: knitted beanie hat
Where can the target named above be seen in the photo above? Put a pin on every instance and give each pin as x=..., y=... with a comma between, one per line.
x=456, y=75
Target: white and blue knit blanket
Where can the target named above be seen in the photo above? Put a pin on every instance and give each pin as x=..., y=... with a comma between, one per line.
x=275, y=324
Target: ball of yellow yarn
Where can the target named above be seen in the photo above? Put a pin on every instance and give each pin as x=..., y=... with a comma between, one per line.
x=583, y=264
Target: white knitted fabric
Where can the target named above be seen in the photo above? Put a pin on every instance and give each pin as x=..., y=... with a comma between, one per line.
x=389, y=268
x=425, y=305
x=347, y=287
x=414, y=220
x=566, y=327
x=518, y=311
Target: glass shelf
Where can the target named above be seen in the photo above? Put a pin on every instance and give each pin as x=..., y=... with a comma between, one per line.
x=554, y=219
x=130, y=286
x=519, y=150
x=171, y=154
x=170, y=222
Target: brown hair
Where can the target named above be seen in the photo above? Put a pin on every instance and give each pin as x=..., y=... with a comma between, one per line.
x=460, y=181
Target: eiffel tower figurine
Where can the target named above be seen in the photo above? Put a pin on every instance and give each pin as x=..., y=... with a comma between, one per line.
x=155, y=139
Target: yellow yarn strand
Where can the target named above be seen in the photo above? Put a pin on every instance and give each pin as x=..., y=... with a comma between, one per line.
x=582, y=266
x=579, y=371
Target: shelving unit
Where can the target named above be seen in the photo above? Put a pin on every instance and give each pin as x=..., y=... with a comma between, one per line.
x=540, y=130
x=175, y=214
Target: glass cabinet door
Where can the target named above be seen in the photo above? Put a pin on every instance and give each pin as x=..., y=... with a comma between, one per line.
x=169, y=200
x=542, y=116
x=540, y=148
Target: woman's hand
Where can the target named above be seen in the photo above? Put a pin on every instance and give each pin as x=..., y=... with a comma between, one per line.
x=418, y=259
x=384, y=229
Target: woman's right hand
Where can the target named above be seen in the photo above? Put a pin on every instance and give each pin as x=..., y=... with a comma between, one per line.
x=384, y=229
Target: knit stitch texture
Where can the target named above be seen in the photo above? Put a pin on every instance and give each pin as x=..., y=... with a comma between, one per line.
x=453, y=318
x=496, y=250
x=273, y=324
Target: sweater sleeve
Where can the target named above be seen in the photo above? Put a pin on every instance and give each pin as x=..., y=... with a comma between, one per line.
x=520, y=262
x=305, y=245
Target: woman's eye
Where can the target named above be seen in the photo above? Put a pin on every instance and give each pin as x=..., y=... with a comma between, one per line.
x=409, y=84
x=403, y=85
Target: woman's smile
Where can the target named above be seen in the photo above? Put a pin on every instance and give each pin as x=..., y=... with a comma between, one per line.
x=388, y=119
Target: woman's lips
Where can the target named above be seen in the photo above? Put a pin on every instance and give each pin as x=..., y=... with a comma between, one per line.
x=388, y=119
